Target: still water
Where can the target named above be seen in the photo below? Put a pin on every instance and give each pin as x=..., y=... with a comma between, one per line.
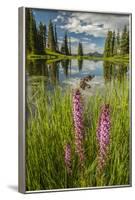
x=67, y=73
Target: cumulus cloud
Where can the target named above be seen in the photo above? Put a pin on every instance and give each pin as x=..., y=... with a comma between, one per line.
x=95, y=24
x=89, y=27
x=59, y=18
x=87, y=48
x=74, y=40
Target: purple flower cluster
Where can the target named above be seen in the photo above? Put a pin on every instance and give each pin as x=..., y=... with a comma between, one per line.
x=78, y=124
x=103, y=136
x=68, y=158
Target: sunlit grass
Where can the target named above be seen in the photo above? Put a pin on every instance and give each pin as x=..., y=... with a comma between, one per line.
x=50, y=127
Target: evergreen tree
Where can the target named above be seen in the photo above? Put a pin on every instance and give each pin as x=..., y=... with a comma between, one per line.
x=44, y=36
x=80, y=49
x=70, y=46
x=51, y=38
x=127, y=44
x=113, y=44
x=31, y=32
x=125, y=41
x=64, y=46
x=56, y=39
x=118, y=43
x=108, y=45
x=40, y=44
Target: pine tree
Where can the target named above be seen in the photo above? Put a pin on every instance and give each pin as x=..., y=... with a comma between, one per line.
x=66, y=44
x=40, y=44
x=56, y=39
x=127, y=44
x=113, y=44
x=80, y=49
x=31, y=32
x=62, y=48
x=51, y=38
x=118, y=43
x=108, y=45
x=124, y=41
x=70, y=46
x=44, y=36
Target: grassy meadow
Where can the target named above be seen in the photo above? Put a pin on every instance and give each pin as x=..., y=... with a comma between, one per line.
x=50, y=127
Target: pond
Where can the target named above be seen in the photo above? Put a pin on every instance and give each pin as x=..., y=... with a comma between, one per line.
x=71, y=73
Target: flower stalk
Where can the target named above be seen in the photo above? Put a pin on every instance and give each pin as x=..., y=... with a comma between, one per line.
x=78, y=124
x=103, y=136
x=68, y=159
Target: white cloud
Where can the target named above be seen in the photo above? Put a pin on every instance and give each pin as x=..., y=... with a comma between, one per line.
x=87, y=48
x=59, y=17
x=74, y=40
x=92, y=47
x=94, y=23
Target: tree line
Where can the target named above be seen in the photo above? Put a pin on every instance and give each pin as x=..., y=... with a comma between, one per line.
x=40, y=37
x=116, y=43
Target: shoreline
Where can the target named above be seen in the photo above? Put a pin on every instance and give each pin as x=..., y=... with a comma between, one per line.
x=54, y=58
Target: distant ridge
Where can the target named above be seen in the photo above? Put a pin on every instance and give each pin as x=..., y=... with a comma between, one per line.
x=95, y=54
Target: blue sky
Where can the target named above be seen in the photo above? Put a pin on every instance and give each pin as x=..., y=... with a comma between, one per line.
x=89, y=28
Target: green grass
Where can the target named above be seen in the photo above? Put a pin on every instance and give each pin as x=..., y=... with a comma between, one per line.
x=118, y=59
x=54, y=56
x=50, y=127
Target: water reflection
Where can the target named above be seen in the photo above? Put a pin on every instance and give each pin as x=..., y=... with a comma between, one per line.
x=65, y=66
x=67, y=72
x=80, y=64
x=113, y=71
x=53, y=73
x=37, y=68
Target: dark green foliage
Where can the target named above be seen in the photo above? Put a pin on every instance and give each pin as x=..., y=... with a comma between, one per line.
x=80, y=64
x=64, y=47
x=44, y=35
x=51, y=37
x=112, y=71
x=125, y=41
x=116, y=44
x=80, y=49
x=65, y=66
x=31, y=32
x=56, y=39
x=70, y=46
x=41, y=39
x=35, y=37
x=113, y=44
x=66, y=44
x=108, y=45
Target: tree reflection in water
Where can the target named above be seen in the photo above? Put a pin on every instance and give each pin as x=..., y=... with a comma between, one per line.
x=54, y=73
x=114, y=71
